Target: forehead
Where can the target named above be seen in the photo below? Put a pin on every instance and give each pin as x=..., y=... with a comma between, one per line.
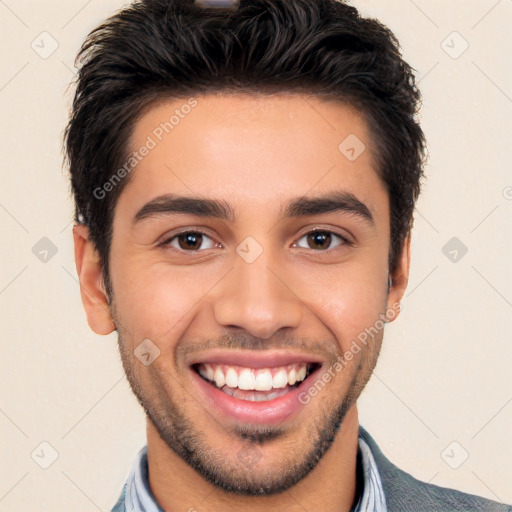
x=256, y=149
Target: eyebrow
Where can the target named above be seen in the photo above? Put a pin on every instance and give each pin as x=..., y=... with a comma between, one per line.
x=170, y=203
x=337, y=201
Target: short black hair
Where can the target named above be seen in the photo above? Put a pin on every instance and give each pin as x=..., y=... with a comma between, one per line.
x=163, y=49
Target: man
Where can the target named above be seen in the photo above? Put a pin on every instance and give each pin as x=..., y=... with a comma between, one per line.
x=245, y=179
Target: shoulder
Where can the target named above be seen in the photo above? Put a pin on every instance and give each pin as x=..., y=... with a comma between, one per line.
x=405, y=493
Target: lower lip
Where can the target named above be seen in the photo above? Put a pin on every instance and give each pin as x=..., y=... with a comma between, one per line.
x=269, y=412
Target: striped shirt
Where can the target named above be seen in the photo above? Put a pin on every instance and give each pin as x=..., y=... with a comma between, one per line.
x=138, y=496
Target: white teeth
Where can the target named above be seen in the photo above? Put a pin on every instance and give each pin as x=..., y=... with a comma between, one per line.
x=202, y=371
x=301, y=374
x=280, y=379
x=231, y=378
x=247, y=379
x=218, y=377
x=209, y=372
x=254, y=397
x=229, y=391
x=263, y=381
x=273, y=395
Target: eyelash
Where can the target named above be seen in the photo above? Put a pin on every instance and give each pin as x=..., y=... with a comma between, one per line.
x=166, y=243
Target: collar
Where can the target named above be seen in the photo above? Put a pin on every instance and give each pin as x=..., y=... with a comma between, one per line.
x=138, y=497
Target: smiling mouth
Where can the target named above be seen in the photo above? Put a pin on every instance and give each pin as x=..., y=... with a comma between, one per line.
x=255, y=384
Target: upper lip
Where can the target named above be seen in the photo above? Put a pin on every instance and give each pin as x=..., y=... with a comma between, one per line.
x=254, y=359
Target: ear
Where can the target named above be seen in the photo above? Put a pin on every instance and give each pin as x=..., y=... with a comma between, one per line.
x=92, y=287
x=399, y=280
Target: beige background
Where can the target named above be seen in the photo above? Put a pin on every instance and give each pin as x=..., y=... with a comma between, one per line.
x=444, y=374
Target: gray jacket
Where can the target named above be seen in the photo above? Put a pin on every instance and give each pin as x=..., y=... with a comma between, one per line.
x=406, y=494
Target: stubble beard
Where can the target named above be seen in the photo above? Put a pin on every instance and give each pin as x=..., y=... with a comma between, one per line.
x=234, y=475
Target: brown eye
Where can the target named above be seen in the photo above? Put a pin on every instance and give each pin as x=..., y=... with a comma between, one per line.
x=321, y=240
x=190, y=241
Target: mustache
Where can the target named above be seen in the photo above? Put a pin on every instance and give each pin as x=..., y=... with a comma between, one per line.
x=245, y=341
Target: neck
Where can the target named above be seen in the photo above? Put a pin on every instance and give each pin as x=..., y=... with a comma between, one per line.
x=330, y=486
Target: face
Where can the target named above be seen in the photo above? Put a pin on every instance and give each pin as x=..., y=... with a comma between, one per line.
x=250, y=253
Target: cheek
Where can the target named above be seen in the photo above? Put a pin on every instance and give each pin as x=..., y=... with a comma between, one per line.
x=351, y=301
x=154, y=301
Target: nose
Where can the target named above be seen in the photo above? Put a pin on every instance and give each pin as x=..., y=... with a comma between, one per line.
x=257, y=298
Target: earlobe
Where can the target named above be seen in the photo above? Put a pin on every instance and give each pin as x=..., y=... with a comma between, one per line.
x=398, y=281
x=92, y=288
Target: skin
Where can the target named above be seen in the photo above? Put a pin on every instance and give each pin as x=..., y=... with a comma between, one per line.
x=255, y=154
